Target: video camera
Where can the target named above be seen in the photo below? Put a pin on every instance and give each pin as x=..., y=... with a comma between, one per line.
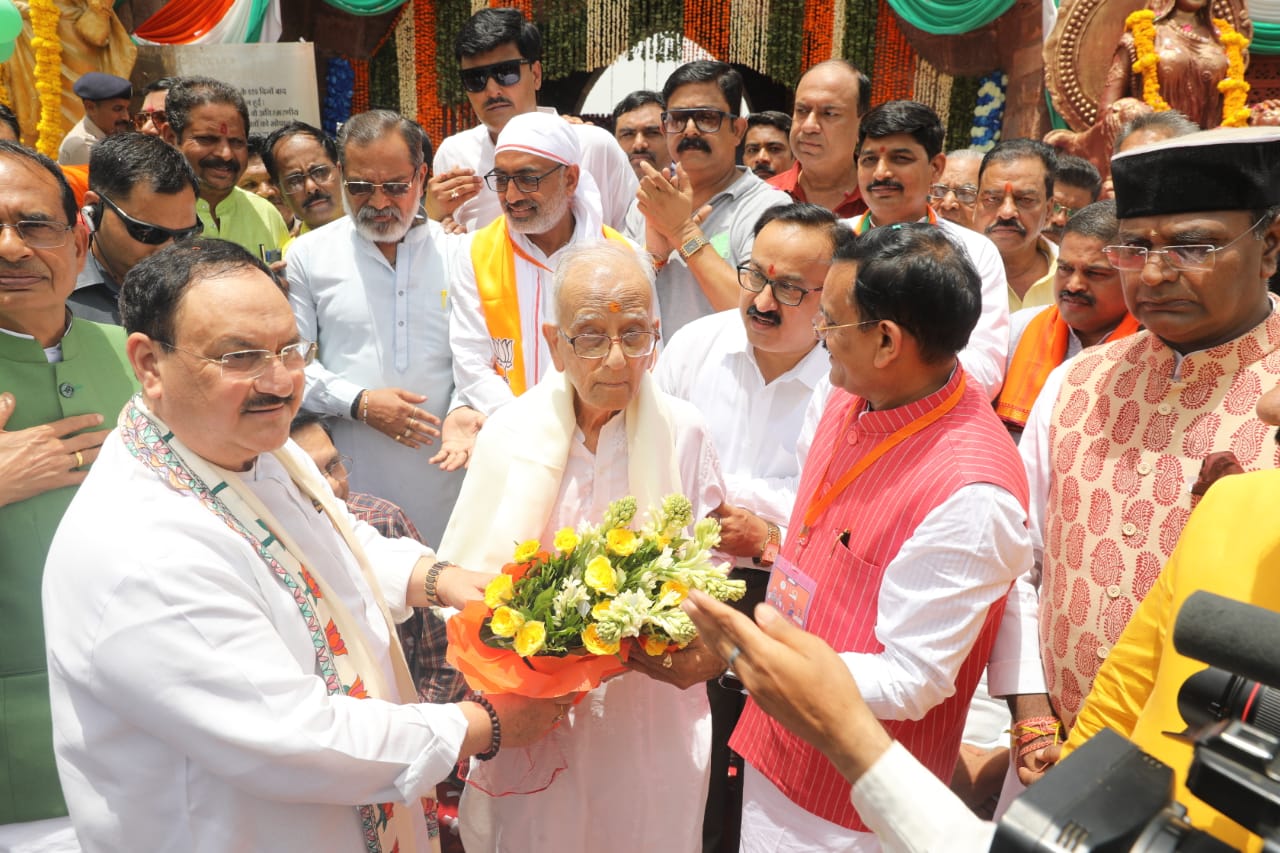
x=1108, y=795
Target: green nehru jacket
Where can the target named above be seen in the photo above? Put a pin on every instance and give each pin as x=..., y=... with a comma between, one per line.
x=93, y=376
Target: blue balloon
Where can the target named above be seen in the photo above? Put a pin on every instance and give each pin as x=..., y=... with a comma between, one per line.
x=10, y=21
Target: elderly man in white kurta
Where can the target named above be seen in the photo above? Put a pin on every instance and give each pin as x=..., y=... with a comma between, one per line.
x=634, y=751
x=224, y=672
x=371, y=289
x=502, y=291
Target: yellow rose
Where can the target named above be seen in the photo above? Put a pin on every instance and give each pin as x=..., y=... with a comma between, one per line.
x=566, y=540
x=499, y=591
x=506, y=621
x=600, y=577
x=527, y=550
x=622, y=541
x=595, y=645
x=601, y=608
x=677, y=591
x=654, y=645
x=530, y=638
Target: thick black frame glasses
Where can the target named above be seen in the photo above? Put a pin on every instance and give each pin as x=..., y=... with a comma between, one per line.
x=498, y=181
x=149, y=233
x=505, y=73
x=705, y=120
x=752, y=280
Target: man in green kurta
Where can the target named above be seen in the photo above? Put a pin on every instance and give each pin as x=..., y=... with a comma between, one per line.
x=63, y=383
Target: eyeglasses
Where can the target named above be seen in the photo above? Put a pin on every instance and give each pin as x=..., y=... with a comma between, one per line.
x=965, y=193
x=39, y=234
x=503, y=73
x=339, y=467
x=360, y=189
x=151, y=235
x=634, y=344
x=251, y=363
x=751, y=279
x=1195, y=256
x=297, y=182
x=821, y=329
x=1060, y=209
x=157, y=117
x=526, y=183
x=706, y=121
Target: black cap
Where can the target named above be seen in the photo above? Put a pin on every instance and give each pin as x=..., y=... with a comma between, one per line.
x=1227, y=168
x=96, y=86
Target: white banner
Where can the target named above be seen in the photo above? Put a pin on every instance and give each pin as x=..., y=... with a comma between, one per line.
x=278, y=80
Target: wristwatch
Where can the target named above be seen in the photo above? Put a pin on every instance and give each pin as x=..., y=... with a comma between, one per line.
x=772, y=544
x=692, y=245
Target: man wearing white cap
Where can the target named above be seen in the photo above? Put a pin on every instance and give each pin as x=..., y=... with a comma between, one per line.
x=502, y=275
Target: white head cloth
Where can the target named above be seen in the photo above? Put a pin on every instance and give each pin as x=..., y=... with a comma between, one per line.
x=549, y=136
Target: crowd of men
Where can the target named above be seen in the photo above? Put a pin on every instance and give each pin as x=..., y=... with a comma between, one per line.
x=273, y=406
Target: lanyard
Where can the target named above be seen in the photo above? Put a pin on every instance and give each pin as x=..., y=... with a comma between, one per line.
x=819, y=504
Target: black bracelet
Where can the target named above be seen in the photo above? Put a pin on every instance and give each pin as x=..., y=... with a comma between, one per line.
x=496, y=742
x=355, y=405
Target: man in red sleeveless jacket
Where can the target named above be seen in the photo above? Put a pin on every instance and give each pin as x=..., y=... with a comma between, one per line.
x=909, y=528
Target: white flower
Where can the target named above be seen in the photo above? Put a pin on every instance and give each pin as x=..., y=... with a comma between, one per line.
x=571, y=597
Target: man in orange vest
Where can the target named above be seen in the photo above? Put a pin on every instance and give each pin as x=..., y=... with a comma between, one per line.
x=502, y=272
x=1088, y=309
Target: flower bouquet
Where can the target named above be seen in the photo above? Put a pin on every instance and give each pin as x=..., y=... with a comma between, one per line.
x=559, y=622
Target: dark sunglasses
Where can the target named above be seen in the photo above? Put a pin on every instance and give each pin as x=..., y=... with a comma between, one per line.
x=505, y=73
x=360, y=189
x=152, y=235
x=140, y=119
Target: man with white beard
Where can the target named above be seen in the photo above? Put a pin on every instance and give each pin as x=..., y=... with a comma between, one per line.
x=502, y=291
x=372, y=290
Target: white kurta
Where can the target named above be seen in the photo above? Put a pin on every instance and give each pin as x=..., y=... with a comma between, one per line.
x=754, y=424
x=187, y=712
x=602, y=157
x=379, y=326
x=635, y=750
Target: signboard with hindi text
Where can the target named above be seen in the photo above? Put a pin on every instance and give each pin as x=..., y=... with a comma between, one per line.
x=278, y=80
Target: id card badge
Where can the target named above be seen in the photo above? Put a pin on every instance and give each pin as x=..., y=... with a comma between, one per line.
x=790, y=591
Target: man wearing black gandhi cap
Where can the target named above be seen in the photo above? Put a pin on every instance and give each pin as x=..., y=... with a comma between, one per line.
x=106, y=111
x=1119, y=434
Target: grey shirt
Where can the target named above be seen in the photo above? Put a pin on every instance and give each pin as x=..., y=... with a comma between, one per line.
x=96, y=296
x=729, y=228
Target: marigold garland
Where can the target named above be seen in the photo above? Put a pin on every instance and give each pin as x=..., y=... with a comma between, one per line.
x=1233, y=87
x=819, y=32
x=48, y=74
x=894, y=71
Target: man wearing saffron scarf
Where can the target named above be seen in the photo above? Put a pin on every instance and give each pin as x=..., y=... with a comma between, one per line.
x=1089, y=309
x=912, y=492
x=502, y=290
x=224, y=671
x=1118, y=434
x=899, y=157
x=631, y=758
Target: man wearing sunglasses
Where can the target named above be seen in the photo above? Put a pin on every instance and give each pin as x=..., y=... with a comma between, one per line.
x=697, y=221
x=499, y=54
x=151, y=119
x=145, y=175
x=62, y=383
x=1119, y=433
x=372, y=289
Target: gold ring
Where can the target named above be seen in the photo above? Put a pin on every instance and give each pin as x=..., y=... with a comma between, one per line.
x=407, y=432
x=666, y=661
x=454, y=195
x=79, y=459
x=396, y=437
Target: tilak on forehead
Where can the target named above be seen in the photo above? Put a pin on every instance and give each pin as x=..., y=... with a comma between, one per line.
x=222, y=128
x=1008, y=187
x=614, y=307
x=771, y=269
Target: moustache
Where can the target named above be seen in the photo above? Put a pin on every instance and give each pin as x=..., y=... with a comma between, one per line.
x=645, y=155
x=497, y=101
x=317, y=196
x=768, y=316
x=763, y=171
x=693, y=143
x=266, y=401
x=1083, y=298
x=219, y=163
x=1007, y=223
x=368, y=213
x=888, y=185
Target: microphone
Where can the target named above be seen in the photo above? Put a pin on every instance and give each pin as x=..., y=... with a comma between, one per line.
x=1241, y=638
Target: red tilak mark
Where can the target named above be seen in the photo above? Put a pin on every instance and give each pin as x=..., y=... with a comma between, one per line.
x=771, y=268
x=614, y=308
x=222, y=128
x=1008, y=188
